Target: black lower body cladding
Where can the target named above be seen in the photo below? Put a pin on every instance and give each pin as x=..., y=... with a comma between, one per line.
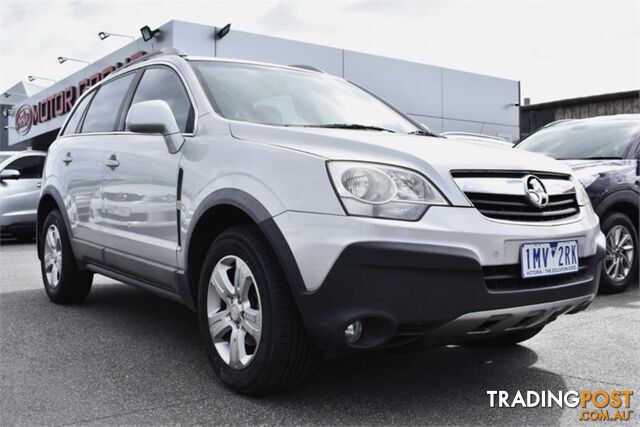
x=395, y=287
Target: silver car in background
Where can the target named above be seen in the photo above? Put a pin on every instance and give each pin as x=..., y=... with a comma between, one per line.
x=20, y=181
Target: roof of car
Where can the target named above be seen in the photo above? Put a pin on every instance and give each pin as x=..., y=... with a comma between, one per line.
x=159, y=55
x=165, y=54
x=13, y=153
x=614, y=117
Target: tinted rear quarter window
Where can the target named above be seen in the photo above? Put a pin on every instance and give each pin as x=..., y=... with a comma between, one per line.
x=74, y=120
x=104, y=110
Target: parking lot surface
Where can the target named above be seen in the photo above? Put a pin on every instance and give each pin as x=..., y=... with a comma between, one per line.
x=129, y=357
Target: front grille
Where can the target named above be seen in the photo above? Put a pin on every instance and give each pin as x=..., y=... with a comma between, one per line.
x=502, y=194
x=509, y=277
x=517, y=208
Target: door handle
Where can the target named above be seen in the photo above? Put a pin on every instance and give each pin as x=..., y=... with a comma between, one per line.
x=39, y=184
x=67, y=159
x=112, y=162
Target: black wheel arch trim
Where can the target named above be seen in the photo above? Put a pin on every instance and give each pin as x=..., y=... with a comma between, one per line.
x=52, y=192
x=620, y=196
x=261, y=216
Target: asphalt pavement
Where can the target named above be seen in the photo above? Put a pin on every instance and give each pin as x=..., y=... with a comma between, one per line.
x=129, y=357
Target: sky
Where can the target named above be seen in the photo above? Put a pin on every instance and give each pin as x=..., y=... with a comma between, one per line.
x=557, y=49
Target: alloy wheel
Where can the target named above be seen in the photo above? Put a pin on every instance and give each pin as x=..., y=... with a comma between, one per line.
x=53, y=256
x=234, y=312
x=620, y=251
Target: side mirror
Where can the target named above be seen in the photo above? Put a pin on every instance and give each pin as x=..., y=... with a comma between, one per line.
x=9, y=174
x=155, y=117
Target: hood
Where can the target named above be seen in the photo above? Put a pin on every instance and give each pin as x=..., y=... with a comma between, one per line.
x=414, y=151
x=589, y=171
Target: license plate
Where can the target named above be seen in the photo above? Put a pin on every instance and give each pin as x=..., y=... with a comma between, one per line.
x=548, y=258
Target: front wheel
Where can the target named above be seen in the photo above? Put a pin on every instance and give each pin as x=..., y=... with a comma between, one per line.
x=621, y=259
x=253, y=333
x=63, y=281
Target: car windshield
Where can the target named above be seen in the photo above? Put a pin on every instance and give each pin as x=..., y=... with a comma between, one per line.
x=4, y=157
x=584, y=139
x=285, y=97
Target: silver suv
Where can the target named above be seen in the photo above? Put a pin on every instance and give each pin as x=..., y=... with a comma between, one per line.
x=20, y=181
x=298, y=214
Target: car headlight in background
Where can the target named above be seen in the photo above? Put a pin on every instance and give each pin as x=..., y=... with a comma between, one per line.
x=581, y=193
x=381, y=191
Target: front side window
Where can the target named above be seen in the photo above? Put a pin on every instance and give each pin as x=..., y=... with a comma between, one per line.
x=163, y=84
x=285, y=97
x=30, y=167
x=103, y=111
x=584, y=139
x=74, y=120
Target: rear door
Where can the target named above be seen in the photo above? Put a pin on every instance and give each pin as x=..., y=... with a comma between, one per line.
x=140, y=187
x=85, y=139
x=19, y=197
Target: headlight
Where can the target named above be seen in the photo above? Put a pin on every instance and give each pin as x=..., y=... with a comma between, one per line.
x=380, y=191
x=581, y=194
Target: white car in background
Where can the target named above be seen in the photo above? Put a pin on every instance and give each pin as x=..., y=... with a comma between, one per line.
x=20, y=181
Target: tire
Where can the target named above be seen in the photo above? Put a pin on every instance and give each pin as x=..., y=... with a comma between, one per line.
x=508, y=339
x=623, y=249
x=63, y=281
x=283, y=355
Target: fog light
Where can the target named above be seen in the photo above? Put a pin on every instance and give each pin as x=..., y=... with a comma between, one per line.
x=353, y=332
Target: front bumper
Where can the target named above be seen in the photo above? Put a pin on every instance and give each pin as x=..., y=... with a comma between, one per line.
x=432, y=280
x=403, y=291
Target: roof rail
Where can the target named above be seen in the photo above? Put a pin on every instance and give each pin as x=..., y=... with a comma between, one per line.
x=307, y=67
x=154, y=53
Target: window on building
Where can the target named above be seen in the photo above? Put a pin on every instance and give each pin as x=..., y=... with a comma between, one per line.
x=103, y=111
x=163, y=84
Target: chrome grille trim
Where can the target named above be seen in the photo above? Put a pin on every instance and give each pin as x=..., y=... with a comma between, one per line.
x=501, y=195
x=512, y=186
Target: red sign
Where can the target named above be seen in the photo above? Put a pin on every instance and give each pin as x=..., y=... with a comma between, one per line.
x=60, y=103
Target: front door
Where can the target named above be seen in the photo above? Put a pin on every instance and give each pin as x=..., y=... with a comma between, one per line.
x=139, y=207
x=140, y=187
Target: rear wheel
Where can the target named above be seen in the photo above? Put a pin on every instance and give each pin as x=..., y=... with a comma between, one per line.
x=621, y=259
x=253, y=333
x=63, y=281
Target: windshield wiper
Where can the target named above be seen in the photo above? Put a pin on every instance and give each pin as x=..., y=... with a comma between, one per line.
x=354, y=126
x=425, y=133
x=593, y=158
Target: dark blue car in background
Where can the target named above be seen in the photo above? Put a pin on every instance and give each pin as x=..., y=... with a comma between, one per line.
x=604, y=153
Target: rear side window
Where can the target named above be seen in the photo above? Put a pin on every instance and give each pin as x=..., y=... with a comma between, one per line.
x=30, y=167
x=162, y=83
x=74, y=120
x=103, y=111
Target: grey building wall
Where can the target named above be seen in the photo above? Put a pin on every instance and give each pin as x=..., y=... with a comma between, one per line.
x=4, y=134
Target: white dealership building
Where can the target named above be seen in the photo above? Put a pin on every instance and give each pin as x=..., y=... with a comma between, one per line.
x=441, y=98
